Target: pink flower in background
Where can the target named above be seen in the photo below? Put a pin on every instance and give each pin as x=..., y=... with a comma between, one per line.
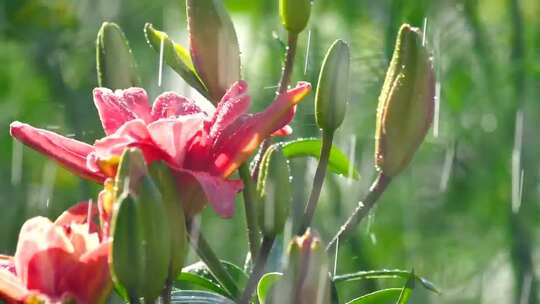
x=57, y=262
x=202, y=149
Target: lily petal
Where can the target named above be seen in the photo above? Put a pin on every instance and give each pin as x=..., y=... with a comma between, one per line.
x=69, y=153
x=240, y=139
x=121, y=106
x=219, y=192
x=234, y=103
x=11, y=288
x=173, y=135
x=170, y=104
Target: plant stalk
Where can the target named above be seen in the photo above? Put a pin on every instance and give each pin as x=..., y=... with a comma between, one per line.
x=213, y=263
x=288, y=64
x=250, y=200
x=318, y=181
x=258, y=269
x=375, y=191
x=166, y=292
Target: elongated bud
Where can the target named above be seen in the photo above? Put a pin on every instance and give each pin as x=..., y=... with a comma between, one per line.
x=116, y=67
x=175, y=214
x=274, y=190
x=141, y=238
x=333, y=87
x=306, y=279
x=294, y=14
x=175, y=56
x=405, y=110
x=213, y=46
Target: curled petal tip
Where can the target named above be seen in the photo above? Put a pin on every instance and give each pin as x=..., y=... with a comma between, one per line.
x=299, y=92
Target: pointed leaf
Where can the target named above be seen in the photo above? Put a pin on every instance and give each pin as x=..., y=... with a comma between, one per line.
x=384, y=296
x=385, y=274
x=407, y=290
x=338, y=162
x=188, y=280
x=265, y=283
x=213, y=45
x=175, y=56
x=199, y=297
x=116, y=67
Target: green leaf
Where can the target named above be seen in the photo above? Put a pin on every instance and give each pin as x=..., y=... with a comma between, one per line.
x=338, y=162
x=199, y=268
x=384, y=296
x=116, y=67
x=187, y=280
x=175, y=56
x=199, y=297
x=265, y=283
x=385, y=274
x=407, y=290
x=213, y=45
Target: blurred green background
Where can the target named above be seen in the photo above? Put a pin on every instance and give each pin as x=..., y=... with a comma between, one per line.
x=466, y=212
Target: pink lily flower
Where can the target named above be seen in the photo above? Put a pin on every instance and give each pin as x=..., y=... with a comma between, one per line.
x=58, y=262
x=202, y=149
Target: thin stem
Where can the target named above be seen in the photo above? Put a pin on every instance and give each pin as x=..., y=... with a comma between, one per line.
x=213, y=263
x=134, y=300
x=166, y=292
x=375, y=192
x=289, y=63
x=318, y=181
x=249, y=206
x=258, y=269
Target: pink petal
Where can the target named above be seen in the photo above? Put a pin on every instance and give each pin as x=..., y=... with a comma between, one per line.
x=173, y=135
x=121, y=106
x=170, y=104
x=219, y=192
x=285, y=131
x=38, y=234
x=69, y=153
x=132, y=134
x=11, y=288
x=234, y=103
x=240, y=139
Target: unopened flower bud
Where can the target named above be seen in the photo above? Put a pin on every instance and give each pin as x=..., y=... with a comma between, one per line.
x=274, y=190
x=333, y=87
x=306, y=279
x=294, y=14
x=405, y=110
x=141, y=235
x=116, y=66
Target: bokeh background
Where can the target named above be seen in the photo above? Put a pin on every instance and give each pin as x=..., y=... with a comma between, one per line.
x=466, y=212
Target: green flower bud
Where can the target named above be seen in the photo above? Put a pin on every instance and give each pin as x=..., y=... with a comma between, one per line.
x=141, y=236
x=274, y=190
x=213, y=46
x=405, y=110
x=294, y=14
x=116, y=67
x=306, y=279
x=333, y=87
x=175, y=214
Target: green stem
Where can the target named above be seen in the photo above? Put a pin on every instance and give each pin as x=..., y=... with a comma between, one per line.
x=258, y=269
x=318, y=181
x=250, y=200
x=289, y=63
x=377, y=189
x=166, y=292
x=213, y=263
x=134, y=300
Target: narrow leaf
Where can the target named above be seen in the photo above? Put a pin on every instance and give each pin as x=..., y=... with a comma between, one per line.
x=175, y=56
x=265, y=283
x=385, y=274
x=384, y=296
x=338, y=162
x=199, y=297
x=187, y=280
x=407, y=290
